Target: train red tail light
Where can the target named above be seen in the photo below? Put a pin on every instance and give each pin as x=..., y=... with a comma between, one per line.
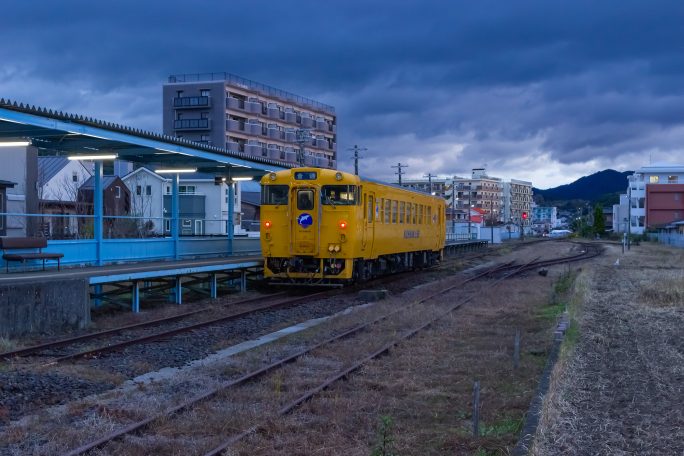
x=267, y=224
x=342, y=224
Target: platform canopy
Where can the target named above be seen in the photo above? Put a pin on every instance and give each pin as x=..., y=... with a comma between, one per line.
x=58, y=133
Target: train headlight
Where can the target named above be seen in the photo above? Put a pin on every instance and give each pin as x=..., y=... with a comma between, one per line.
x=338, y=176
x=337, y=248
x=342, y=224
x=272, y=176
x=331, y=248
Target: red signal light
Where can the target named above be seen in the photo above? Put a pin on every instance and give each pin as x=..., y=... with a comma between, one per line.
x=524, y=215
x=267, y=224
x=342, y=224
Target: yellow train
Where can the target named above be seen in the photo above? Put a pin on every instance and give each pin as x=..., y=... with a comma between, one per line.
x=322, y=226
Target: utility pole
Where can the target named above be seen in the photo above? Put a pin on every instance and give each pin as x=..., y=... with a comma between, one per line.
x=302, y=135
x=491, y=218
x=470, y=208
x=453, y=208
x=399, y=171
x=356, y=157
x=430, y=176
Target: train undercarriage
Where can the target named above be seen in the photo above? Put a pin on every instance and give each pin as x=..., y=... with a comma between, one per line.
x=338, y=271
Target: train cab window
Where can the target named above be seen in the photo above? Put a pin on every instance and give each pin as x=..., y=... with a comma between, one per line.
x=339, y=195
x=274, y=194
x=305, y=199
x=402, y=211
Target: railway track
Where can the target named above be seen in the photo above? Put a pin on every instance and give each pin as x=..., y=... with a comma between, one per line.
x=502, y=272
x=117, y=339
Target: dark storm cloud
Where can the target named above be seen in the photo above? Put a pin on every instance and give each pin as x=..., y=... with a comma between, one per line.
x=576, y=80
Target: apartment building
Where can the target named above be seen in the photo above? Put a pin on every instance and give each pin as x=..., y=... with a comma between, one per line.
x=655, y=197
x=244, y=116
x=434, y=186
x=480, y=191
x=517, y=197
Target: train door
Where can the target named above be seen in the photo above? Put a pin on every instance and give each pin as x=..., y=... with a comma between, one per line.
x=368, y=233
x=305, y=221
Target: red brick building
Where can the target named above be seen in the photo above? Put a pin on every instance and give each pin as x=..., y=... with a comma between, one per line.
x=664, y=204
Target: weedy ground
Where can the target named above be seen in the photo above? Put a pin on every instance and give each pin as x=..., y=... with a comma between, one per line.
x=617, y=389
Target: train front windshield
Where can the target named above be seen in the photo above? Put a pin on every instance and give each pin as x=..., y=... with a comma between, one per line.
x=336, y=195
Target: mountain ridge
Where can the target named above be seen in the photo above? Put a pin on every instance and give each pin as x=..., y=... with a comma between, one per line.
x=593, y=187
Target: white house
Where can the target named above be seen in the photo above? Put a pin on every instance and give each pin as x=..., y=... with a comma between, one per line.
x=58, y=182
x=147, y=198
x=203, y=204
x=59, y=178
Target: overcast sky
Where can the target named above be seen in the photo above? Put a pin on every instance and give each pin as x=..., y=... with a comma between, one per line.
x=546, y=91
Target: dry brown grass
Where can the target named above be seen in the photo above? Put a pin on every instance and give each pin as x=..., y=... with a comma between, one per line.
x=618, y=391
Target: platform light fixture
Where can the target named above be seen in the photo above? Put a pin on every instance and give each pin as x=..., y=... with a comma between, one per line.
x=14, y=143
x=175, y=171
x=93, y=157
x=244, y=178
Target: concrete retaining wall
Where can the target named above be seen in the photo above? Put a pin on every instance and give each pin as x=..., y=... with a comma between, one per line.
x=39, y=307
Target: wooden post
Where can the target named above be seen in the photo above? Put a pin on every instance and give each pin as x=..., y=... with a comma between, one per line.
x=476, y=409
x=516, y=349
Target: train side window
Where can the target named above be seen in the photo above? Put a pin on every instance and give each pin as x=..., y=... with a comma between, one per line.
x=402, y=211
x=395, y=210
x=274, y=194
x=370, y=209
x=429, y=215
x=408, y=213
x=387, y=211
x=365, y=207
x=305, y=199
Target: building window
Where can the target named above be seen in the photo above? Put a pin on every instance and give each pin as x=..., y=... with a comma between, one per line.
x=653, y=179
x=204, y=92
x=74, y=177
x=148, y=190
x=117, y=191
x=188, y=189
x=138, y=190
x=672, y=179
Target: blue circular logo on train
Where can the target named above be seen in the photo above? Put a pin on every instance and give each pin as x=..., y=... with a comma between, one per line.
x=305, y=220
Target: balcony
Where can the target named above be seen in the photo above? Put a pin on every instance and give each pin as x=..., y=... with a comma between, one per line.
x=236, y=125
x=191, y=102
x=191, y=124
x=235, y=103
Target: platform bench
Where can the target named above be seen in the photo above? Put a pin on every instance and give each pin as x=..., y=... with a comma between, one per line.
x=26, y=243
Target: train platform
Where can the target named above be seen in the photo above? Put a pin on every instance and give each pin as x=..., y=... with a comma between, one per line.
x=42, y=301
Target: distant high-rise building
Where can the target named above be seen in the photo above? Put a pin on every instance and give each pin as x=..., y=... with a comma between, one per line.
x=244, y=116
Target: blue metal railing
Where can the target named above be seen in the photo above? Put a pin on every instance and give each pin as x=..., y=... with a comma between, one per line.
x=127, y=238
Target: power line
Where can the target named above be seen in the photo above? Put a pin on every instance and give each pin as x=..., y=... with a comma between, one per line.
x=399, y=172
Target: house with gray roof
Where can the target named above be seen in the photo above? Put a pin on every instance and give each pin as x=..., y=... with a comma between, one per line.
x=58, y=182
